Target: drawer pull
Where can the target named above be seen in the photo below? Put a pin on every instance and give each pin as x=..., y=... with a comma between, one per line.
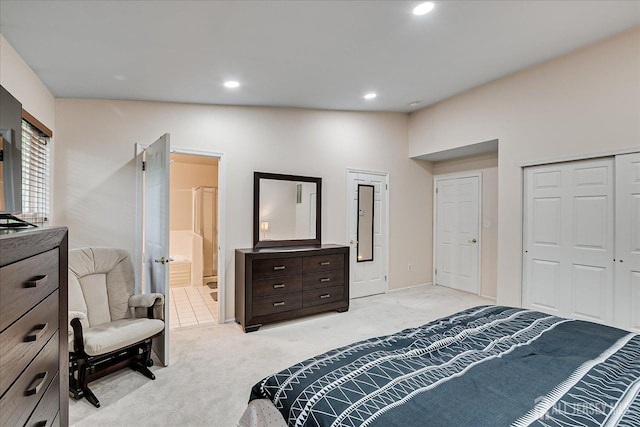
x=325, y=296
x=278, y=286
x=36, y=384
x=36, y=332
x=325, y=279
x=278, y=304
x=279, y=267
x=34, y=282
x=325, y=263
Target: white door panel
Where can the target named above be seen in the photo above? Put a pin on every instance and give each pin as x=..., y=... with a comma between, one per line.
x=368, y=277
x=156, y=232
x=457, y=233
x=628, y=241
x=568, y=241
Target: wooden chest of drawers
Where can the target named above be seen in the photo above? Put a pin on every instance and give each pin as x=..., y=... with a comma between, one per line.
x=274, y=284
x=34, y=359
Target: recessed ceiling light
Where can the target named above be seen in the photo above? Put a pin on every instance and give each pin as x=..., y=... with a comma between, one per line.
x=414, y=103
x=370, y=95
x=423, y=8
x=231, y=84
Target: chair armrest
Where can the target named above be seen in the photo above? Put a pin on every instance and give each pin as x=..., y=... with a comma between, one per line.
x=146, y=300
x=75, y=315
x=76, y=330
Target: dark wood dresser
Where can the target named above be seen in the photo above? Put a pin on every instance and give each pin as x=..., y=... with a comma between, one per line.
x=274, y=284
x=34, y=358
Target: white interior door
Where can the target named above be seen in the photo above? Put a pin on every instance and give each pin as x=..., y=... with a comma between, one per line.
x=568, y=239
x=156, y=232
x=458, y=233
x=627, y=258
x=368, y=277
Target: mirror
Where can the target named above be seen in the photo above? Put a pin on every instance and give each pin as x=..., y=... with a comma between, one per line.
x=365, y=222
x=286, y=210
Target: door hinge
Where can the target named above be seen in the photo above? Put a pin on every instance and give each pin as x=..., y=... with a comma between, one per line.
x=436, y=272
x=386, y=186
x=144, y=165
x=385, y=277
x=436, y=190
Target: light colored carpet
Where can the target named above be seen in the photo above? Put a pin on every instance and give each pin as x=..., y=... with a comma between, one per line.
x=213, y=368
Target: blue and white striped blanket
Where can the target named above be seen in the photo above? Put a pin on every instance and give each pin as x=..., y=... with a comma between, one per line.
x=485, y=366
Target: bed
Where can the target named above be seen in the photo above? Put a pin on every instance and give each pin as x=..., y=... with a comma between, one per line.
x=485, y=366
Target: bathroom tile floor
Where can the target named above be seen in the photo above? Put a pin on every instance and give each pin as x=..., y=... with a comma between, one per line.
x=191, y=306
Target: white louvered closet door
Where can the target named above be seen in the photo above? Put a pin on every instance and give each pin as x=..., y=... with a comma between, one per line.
x=627, y=262
x=569, y=239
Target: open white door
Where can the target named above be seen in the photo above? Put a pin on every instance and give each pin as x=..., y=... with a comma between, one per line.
x=457, y=232
x=156, y=232
x=368, y=275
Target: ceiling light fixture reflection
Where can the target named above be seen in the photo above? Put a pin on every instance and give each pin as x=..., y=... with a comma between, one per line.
x=423, y=8
x=370, y=95
x=231, y=84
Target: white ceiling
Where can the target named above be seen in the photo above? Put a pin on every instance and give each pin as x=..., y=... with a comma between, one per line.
x=312, y=54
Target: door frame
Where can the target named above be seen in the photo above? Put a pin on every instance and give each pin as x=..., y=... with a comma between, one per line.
x=434, y=261
x=222, y=202
x=385, y=224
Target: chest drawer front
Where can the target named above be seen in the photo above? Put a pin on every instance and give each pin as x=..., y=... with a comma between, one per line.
x=25, y=283
x=276, y=286
x=25, y=338
x=316, y=263
x=328, y=295
x=19, y=401
x=276, y=267
x=323, y=279
x=277, y=304
x=46, y=412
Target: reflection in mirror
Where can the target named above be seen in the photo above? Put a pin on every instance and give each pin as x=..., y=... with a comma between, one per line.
x=365, y=222
x=287, y=210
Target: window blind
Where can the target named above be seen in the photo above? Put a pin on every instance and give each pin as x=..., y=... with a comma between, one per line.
x=35, y=174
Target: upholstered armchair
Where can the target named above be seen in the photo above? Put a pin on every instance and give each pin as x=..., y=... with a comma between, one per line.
x=109, y=327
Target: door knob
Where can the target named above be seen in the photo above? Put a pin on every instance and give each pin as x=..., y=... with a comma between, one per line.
x=473, y=241
x=162, y=260
x=353, y=242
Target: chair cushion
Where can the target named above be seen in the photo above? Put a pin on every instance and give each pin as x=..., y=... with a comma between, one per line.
x=115, y=285
x=115, y=335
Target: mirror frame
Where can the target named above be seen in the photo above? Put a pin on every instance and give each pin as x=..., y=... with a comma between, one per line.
x=257, y=243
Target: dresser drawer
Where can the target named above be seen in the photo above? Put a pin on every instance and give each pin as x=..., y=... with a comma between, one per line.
x=322, y=296
x=20, y=342
x=323, y=279
x=18, y=402
x=276, y=286
x=277, y=304
x=316, y=263
x=46, y=413
x=275, y=267
x=25, y=283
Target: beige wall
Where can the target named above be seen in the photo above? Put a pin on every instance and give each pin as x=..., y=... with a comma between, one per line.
x=95, y=175
x=186, y=175
x=583, y=103
x=487, y=165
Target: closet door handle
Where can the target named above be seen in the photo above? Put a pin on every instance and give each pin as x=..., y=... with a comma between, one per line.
x=279, y=267
x=278, y=286
x=36, y=332
x=35, y=281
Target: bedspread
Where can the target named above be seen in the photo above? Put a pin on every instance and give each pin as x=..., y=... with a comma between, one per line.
x=485, y=366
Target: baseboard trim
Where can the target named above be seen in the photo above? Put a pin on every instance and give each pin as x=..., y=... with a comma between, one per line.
x=410, y=287
x=488, y=297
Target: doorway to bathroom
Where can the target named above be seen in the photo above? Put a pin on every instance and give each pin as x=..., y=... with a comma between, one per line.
x=194, y=240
